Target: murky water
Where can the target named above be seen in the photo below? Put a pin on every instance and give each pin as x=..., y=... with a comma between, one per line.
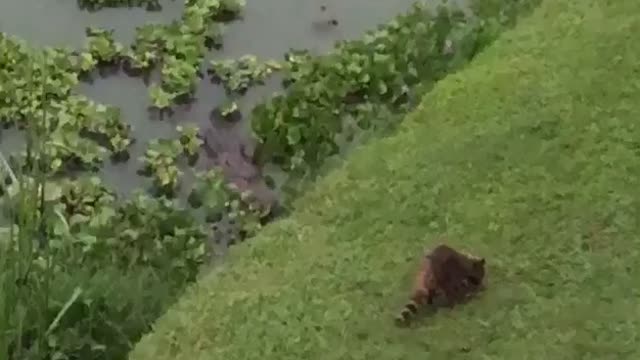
x=269, y=28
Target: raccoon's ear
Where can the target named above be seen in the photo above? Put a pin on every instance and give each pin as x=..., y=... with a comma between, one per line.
x=481, y=261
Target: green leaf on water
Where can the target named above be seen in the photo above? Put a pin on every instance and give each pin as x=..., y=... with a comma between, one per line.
x=293, y=135
x=159, y=97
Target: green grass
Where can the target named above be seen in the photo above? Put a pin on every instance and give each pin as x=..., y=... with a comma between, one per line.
x=529, y=157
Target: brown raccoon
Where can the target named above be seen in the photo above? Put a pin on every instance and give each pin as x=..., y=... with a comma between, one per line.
x=445, y=271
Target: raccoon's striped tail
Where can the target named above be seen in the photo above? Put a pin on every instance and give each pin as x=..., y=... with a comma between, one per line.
x=419, y=299
x=407, y=313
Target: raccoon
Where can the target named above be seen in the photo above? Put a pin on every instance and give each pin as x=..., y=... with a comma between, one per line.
x=443, y=271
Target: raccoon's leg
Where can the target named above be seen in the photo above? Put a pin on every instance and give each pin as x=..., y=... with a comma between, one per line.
x=454, y=292
x=430, y=297
x=422, y=296
x=450, y=300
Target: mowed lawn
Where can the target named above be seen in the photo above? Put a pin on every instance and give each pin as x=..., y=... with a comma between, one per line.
x=530, y=157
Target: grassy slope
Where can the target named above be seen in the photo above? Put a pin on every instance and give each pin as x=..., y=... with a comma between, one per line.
x=529, y=157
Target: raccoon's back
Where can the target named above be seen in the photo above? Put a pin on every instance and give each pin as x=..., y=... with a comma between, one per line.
x=449, y=268
x=442, y=257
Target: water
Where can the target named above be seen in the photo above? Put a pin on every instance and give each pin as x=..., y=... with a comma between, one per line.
x=269, y=28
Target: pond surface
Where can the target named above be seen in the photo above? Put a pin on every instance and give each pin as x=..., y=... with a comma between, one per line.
x=269, y=28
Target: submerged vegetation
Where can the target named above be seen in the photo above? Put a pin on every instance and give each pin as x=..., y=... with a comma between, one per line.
x=85, y=271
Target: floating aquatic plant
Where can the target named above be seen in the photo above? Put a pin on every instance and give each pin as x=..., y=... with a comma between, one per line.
x=349, y=86
x=237, y=75
x=160, y=161
x=190, y=140
x=102, y=46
